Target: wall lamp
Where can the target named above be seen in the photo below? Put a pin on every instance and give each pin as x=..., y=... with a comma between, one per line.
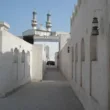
x=95, y=30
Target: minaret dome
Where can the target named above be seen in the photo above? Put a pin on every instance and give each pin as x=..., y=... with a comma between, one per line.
x=48, y=22
x=34, y=21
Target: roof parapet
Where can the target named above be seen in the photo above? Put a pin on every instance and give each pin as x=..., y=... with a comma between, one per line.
x=4, y=26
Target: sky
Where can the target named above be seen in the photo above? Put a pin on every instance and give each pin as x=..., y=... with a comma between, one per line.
x=18, y=13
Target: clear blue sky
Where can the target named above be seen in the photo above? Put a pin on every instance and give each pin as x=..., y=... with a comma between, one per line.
x=18, y=13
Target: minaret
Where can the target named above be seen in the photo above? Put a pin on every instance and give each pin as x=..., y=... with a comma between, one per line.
x=48, y=23
x=34, y=22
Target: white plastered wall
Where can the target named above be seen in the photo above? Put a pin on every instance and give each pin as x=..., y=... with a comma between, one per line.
x=13, y=75
x=81, y=28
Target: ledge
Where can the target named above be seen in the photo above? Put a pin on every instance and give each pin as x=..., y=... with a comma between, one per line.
x=4, y=25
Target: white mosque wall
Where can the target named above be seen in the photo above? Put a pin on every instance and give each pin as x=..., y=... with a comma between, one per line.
x=53, y=48
x=17, y=58
x=89, y=79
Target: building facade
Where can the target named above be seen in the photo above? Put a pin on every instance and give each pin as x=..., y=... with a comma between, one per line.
x=87, y=53
x=44, y=36
x=20, y=62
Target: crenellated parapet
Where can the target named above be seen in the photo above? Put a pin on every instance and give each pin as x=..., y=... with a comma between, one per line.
x=76, y=9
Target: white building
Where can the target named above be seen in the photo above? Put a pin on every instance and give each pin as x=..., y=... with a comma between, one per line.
x=44, y=36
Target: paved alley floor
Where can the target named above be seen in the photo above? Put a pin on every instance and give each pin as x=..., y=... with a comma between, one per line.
x=53, y=93
x=53, y=74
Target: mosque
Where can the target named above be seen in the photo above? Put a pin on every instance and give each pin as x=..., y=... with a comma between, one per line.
x=83, y=55
x=44, y=36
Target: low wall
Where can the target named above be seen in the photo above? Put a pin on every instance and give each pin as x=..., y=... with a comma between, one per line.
x=16, y=62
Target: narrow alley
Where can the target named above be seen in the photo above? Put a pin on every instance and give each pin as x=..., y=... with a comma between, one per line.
x=53, y=93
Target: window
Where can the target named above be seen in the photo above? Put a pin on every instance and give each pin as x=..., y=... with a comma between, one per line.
x=76, y=53
x=28, y=57
x=23, y=56
x=15, y=55
x=72, y=54
x=93, y=48
x=82, y=50
x=76, y=60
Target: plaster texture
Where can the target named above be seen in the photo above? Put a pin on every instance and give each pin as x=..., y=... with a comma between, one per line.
x=17, y=58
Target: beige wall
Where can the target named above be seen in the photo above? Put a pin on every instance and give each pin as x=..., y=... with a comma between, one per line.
x=16, y=70
x=94, y=90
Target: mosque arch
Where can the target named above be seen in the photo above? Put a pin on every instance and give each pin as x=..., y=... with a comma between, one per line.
x=15, y=61
x=47, y=49
x=93, y=48
x=16, y=55
x=23, y=57
x=82, y=50
x=72, y=61
x=76, y=53
x=72, y=53
x=76, y=60
x=82, y=59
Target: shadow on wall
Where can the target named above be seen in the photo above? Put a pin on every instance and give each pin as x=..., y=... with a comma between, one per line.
x=14, y=70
